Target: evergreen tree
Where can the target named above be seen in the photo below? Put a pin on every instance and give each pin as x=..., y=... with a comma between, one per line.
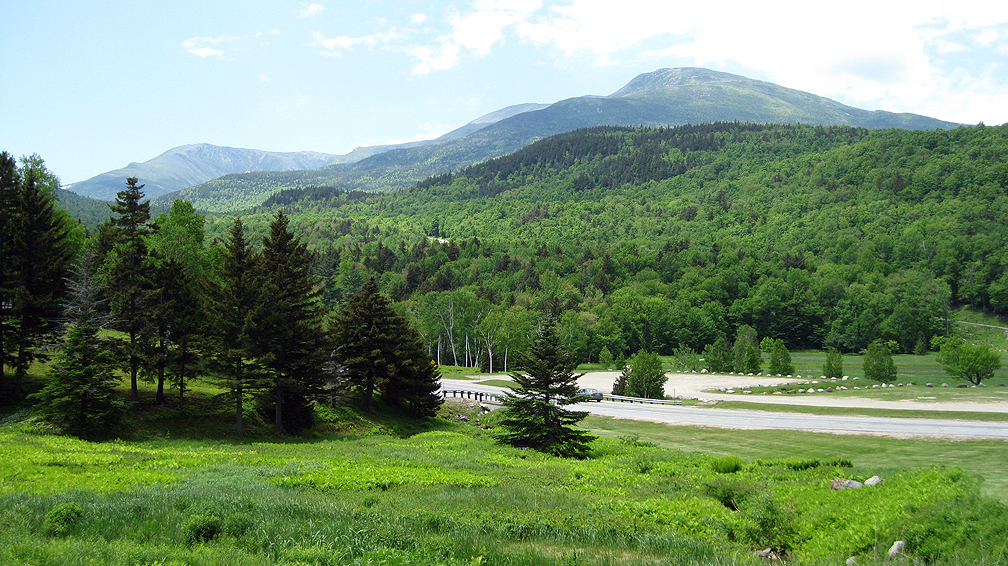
x=79, y=397
x=231, y=299
x=416, y=383
x=288, y=335
x=364, y=338
x=878, y=362
x=834, y=364
x=382, y=352
x=534, y=414
x=9, y=181
x=175, y=316
x=40, y=265
x=780, y=359
x=128, y=280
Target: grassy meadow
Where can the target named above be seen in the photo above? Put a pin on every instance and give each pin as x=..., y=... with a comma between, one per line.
x=375, y=489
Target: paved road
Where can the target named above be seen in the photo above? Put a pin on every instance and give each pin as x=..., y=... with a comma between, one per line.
x=726, y=418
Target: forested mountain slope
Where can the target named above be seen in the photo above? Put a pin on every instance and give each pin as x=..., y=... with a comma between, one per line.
x=662, y=98
x=660, y=238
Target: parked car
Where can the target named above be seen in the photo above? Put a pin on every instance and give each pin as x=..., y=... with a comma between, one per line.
x=591, y=394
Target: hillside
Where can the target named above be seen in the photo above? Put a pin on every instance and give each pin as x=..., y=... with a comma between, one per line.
x=188, y=165
x=662, y=98
x=671, y=237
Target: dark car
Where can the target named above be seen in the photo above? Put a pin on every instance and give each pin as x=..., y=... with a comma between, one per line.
x=591, y=394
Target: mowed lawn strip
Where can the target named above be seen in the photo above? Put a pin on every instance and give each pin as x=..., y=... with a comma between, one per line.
x=884, y=454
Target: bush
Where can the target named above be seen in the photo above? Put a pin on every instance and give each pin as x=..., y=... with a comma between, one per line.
x=878, y=362
x=834, y=364
x=726, y=464
x=730, y=492
x=61, y=519
x=767, y=523
x=202, y=528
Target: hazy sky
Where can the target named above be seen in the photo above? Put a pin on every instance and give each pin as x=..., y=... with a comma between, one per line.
x=92, y=86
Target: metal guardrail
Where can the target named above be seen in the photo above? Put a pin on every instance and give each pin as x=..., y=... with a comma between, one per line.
x=484, y=397
x=480, y=396
x=623, y=399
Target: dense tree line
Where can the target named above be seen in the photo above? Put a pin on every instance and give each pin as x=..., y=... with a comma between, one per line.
x=247, y=317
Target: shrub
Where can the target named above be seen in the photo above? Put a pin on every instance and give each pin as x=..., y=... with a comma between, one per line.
x=878, y=362
x=202, y=528
x=730, y=492
x=61, y=519
x=726, y=464
x=834, y=364
x=767, y=523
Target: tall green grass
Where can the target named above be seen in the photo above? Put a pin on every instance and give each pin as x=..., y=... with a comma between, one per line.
x=452, y=496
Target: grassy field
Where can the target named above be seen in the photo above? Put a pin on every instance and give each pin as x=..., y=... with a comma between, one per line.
x=369, y=489
x=649, y=494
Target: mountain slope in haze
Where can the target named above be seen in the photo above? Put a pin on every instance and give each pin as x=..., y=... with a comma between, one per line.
x=364, y=152
x=666, y=97
x=189, y=165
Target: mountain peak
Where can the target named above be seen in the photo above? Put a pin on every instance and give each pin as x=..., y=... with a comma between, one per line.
x=663, y=79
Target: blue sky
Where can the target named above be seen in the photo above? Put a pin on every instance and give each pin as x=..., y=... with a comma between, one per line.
x=92, y=86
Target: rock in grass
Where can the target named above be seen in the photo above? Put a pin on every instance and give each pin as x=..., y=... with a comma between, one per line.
x=897, y=549
x=844, y=483
x=874, y=480
x=851, y=561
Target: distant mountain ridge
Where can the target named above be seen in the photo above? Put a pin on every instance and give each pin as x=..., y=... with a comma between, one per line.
x=188, y=165
x=666, y=97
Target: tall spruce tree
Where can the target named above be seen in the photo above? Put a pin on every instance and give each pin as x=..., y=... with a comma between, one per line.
x=289, y=339
x=365, y=339
x=231, y=298
x=534, y=414
x=383, y=353
x=40, y=264
x=129, y=277
x=9, y=181
x=79, y=397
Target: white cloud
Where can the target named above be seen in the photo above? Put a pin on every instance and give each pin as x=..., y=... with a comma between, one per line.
x=344, y=42
x=418, y=18
x=202, y=46
x=476, y=31
x=310, y=10
x=431, y=60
